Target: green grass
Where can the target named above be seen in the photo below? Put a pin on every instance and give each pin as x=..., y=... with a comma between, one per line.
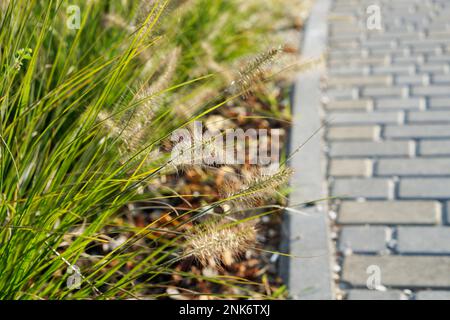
x=65, y=181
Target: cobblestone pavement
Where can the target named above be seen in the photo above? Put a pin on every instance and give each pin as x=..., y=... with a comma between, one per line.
x=387, y=109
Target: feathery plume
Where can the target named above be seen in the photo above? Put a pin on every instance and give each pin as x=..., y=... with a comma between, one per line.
x=215, y=242
x=134, y=127
x=253, y=72
x=250, y=191
x=115, y=20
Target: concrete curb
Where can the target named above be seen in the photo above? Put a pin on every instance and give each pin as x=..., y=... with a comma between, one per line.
x=308, y=275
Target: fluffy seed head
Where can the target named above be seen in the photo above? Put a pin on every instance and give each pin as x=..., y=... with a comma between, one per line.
x=253, y=72
x=250, y=191
x=215, y=243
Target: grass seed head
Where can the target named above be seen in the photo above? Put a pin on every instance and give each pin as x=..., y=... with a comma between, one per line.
x=252, y=190
x=215, y=243
x=253, y=72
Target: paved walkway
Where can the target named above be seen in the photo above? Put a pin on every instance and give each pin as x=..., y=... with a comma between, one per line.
x=388, y=148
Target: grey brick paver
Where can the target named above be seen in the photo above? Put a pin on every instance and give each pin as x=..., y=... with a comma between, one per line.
x=417, y=131
x=433, y=68
x=350, y=167
x=408, y=59
x=434, y=147
x=393, y=69
x=429, y=117
x=365, y=294
x=424, y=240
x=399, y=271
x=358, y=81
x=425, y=188
x=436, y=90
x=390, y=212
x=379, y=117
x=353, y=133
x=342, y=94
x=369, y=148
x=440, y=58
x=349, y=71
x=441, y=78
x=376, y=92
x=366, y=239
x=395, y=104
x=433, y=295
x=439, y=103
x=375, y=188
x=414, y=167
x=411, y=79
x=360, y=105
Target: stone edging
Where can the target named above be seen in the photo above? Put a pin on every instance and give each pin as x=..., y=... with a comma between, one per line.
x=308, y=273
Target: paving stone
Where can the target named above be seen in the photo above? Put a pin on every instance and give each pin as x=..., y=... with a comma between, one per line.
x=390, y=212
x=399, y=271
x=369, y=148
x=344, y=31
x=342, y=54
x=379, y=51
x=410, y=79
x=358, y=81
x=433, y=295
x=342, y=93
x=401, y=104
x=438, y=34
x=349, y=71
x=358, y=61
x=363, y=239
x=425, y=43
x=361, y=294
x=417, y=131
x=434, y=147
x=379, y=117
x=407, y=60
x=353, y=133
x=431, y=90
x=341, y=44
x=434, y=68
x=393, y=69
x=435, y=240
x=344, y=37
x=436, y=103
x=425, y=188
x=350, y=167
x=383, y=91
x=381, y=44
x=403, y=34
x=361, y=105
x=426, y=50
x=429, y=117
x=442, y=58
x=414, y=167
x=374, y=188
x=441, y=79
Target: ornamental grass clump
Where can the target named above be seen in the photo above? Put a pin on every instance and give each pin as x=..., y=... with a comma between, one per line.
x=90, y=94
